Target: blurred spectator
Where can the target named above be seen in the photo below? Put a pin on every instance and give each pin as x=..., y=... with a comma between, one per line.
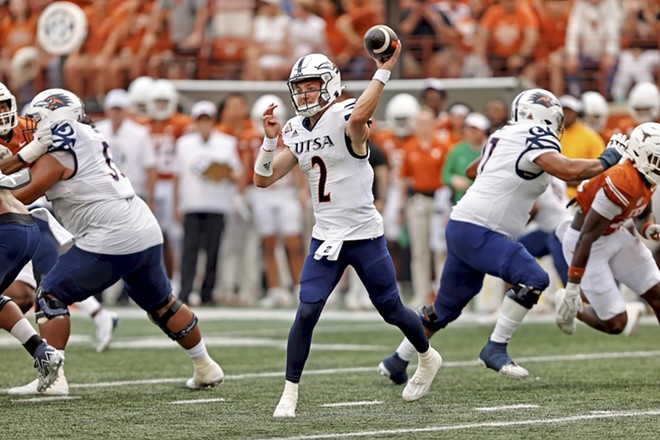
x=359, y=16
x=206, y=172
x=643, y=106
x=86, y=69
x=429, y=38
x=578, y=141
x=463, y=154
x=592, y=45
x=269, y=48
x=452, y=132
x=497, y=112
x=640, y=59
x=506, y=39
x=239, y=254
x=20, y=57
x=338, y=47
x=434, y=96
x=549, y=55
x=307, y=30
x=139, y=92
x=185, y=21
x=595, y=113
x=421, y=172
x=464, y=22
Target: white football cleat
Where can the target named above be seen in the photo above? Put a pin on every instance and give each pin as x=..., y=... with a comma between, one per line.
x=105, y=327
x=59, y=388
x=564, y=318
x=635, y=310
x=207, y=374
x=427, y=367
x=286, y=408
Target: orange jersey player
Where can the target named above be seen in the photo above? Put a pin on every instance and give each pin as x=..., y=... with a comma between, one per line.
x=602, y=253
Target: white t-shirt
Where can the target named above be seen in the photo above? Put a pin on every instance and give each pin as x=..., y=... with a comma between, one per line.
x=98, y=204
x=132, y=151
x=194, y=157
x=340, y=182
x=508, y=181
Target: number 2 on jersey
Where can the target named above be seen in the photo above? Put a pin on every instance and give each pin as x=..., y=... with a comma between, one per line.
x=323, y=170
x=114, y=171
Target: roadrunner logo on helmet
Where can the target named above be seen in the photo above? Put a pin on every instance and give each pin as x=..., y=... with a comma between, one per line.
x=314, y=66
x=538, y=106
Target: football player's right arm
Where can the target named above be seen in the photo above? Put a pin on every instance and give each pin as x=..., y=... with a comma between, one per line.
x=46, y=172
x=282, y=163
x=593, y=227
x=567, y=169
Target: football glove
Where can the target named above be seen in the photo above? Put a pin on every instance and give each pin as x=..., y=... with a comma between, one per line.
x=572, y=303
x=43, y=138
x=651, y=231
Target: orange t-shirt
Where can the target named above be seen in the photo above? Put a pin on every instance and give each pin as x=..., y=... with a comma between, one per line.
x=164, y=135
x=423, y=166
x=624, y=186
x=552, y=33
x=99, y=26
x=506, y=31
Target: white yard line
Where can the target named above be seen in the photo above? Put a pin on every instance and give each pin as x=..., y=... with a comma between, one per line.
x=393, y=432
x=505, y=407
x=362, y=403
x=45, y=399
x=192, y=401
x=459, y=364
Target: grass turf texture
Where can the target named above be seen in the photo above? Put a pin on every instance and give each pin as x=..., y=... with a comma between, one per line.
x=561, y=389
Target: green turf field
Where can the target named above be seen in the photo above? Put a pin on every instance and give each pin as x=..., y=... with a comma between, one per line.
x=586, y=386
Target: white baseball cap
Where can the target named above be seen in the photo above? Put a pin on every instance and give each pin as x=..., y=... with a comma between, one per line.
x=116, y=98
x=203, y=108
x=478, y=121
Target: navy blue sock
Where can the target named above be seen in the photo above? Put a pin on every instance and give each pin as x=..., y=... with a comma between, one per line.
x=300, y=339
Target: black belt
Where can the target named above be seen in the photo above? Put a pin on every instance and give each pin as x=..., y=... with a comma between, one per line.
x=14, y=217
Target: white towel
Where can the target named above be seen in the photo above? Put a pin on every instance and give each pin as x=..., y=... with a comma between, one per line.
x=329, y=249
x=62, y=236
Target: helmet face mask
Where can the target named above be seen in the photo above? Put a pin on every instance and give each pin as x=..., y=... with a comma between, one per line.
x=314, y=67
x=9, y=113
x=538, y=106
x=644, y=150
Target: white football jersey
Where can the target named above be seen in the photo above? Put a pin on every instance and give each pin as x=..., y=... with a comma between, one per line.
x=551, y=206
x=508, y=182
x=340, y=181
x=98, y=204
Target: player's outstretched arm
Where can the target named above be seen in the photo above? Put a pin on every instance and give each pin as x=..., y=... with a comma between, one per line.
x=365, y=106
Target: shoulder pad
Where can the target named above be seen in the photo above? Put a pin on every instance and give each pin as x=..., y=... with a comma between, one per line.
x=541, y=137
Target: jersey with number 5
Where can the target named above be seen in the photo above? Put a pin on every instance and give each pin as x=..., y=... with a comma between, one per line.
x=97, y=203
x=508, y=181
x=340, y=180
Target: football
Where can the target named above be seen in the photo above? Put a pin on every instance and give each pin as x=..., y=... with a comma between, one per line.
x=380, y=42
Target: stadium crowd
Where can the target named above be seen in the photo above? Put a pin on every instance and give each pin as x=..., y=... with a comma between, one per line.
x=588, y=52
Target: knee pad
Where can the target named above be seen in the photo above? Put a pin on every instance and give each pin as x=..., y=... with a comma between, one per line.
x=430, y=318
x=161, y=321
x=4, y=300
x=524, y=295
x=47, y=308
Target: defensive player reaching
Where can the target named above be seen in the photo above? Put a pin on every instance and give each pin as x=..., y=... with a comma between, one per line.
x=514, y=170
x=329, y=143
x=602, y=252
x=116, y=235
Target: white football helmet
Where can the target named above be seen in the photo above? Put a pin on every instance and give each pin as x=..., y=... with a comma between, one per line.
x=261, y=104
x=595, y=111
x=644, y=102
x=315, y=66
x=163, y=99
x=644, y=150
x=138, y=95
x=400, y=114
x=53, y=105
x=8, y=118
x=538, y=106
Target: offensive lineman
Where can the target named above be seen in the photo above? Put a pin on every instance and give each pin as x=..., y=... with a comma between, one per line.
x=514, y=170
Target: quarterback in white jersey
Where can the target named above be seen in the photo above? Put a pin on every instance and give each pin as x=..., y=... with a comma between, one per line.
x=515, y=168
x=116, y=235
x=328, y=141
